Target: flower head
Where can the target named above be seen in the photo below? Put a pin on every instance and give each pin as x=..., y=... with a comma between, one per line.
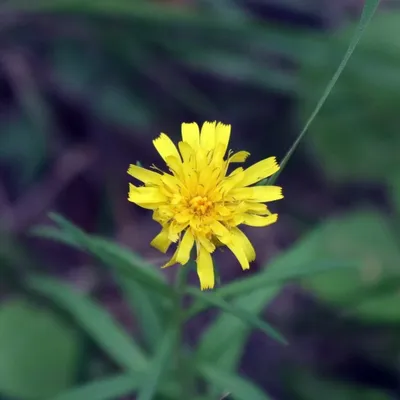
x=199, y=202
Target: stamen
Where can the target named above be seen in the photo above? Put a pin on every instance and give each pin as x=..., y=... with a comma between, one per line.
x=200, y=205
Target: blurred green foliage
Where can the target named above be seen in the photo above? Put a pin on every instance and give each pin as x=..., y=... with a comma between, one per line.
x=366, y=239
x=39, y=351
x=355, y=137
x=349, y=262
x=306, y=386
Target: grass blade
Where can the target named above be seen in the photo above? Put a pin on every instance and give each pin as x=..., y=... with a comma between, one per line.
x=226, y=328
x=276, y=274
x=244, y=316
x=99, y=324
x=147, y=308
x=241, y=388
x=103, y=389
x=130, y=265
x=370, y=6
x=158, y=366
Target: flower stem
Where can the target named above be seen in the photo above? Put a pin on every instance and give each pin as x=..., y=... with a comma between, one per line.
x=179, y=319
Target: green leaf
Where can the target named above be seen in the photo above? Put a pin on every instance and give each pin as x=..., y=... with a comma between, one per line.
x=56, y=235
x=129, y=264
x=148, y=310
x=243, y=315
x=159, y=365
x=134, y=275
x=38, y=352
x=357, y=254
x=235, y=66
x=372, y=69
x=305, y=258
x=19, y=139
x=104, y=248
x=94, y=319
x=370, y=6
x=365, y=239
x=279, y=271
x=291, y=265
x=117, y=105
x=351, y=241
x=155, y=14
x=103, y=389
x=115, y=387
x=241, y=388
x=394, y=191
x=229, y=329
x=306, y=386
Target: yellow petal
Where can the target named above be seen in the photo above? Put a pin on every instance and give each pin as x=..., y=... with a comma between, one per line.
x=241, y=240
x=148, y=206
x=143, y=174
x=166, y=148
x=172, y=261
x=183, y=217
x=207, y=244
x=239, y=254
x=207, y=136
x=201, y=159
x=257, y=220
x=232, y=181
x=239, y=157
x=175, y=229
x=222, y=136
x=161, y=241
x=236, y=171
x=258, y=193
x=145, y=195
x=261, y=170
x=175, y=165
x=196, y=223
x=218, y=155
x=185, y=247
x=190, y=179
x=170, y=182
x=191, y=135
x=221, y=231
x=205, y=268
x=186, y=151
x=256, y=208
x=237, y=220
x=222, y=210
x=208, y=178
x=163, y=214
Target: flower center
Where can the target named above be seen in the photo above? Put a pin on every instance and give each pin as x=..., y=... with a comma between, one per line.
x=200, y=205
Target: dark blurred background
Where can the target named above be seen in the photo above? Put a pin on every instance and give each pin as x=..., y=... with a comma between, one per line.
x=86, y=85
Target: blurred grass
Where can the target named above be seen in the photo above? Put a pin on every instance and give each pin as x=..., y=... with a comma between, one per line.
x=132, y=66
x=355, y=137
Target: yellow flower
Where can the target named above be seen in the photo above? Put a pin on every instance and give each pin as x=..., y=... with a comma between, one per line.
x=199, y=202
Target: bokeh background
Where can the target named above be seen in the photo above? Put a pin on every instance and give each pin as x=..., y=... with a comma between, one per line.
x=84, y=88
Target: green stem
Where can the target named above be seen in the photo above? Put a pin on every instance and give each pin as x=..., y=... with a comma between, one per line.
x=179, y=318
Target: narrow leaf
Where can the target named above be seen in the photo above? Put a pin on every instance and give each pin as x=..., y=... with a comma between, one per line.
x=243, y=315
x=111, y=254
x=279, y=272
x=99, y=324
x=229, y=329
x=103, y=389
x=370, y=6
x=147, y=308
x=241, y=388
x=158, y=366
